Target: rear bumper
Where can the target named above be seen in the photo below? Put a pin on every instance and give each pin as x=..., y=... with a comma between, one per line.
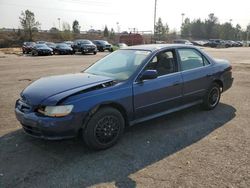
x=227, y=84
x=48, y=127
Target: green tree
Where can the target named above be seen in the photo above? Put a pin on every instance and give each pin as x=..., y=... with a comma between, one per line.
x=75, y=27
x=227, y=31
x=106, y=32
x=161, y=30
x=211, y=26
x=238, y=32
x=112, y=34
x=186, y=28
x=28, y=22
x=197, y=29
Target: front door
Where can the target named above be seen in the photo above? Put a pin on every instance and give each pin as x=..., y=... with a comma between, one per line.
x=163, y=93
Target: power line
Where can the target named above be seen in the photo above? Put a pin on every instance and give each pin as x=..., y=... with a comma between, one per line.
x=58, y=9
x=95, y=3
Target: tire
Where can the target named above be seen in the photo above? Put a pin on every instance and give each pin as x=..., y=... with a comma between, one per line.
x=34, y=53
x=111, y=50
x=104, y=129
x=94, y=53
x=212, y=97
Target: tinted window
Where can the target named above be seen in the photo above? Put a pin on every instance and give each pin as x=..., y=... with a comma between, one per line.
x=163, y=62
x=191, y=59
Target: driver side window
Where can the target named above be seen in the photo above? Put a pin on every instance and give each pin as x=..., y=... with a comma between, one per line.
x=163, y=62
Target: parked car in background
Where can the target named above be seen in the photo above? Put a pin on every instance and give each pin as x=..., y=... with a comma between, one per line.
x=52, y=45
x=41, y=49
x=63, y=48
x=126, y=87
x=27, y=47
x=69, y=43
x=182, y=41
x=200, y=42
x=215, y=43
x=103, y=45
x=84, y=46
x=41, y=42
x=121, y=45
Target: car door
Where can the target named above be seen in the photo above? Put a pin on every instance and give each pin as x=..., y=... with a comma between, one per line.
x=196, y=72
x=162, y=93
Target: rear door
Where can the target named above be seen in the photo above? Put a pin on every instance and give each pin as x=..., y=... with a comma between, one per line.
x=164, y=92
x=196, y=72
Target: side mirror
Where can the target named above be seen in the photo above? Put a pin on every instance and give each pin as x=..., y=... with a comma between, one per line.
x=149, y=74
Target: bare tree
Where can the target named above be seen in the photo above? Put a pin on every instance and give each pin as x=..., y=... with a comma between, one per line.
x=28, y=22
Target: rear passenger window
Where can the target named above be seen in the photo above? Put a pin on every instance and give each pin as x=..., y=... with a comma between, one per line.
x=191, y=59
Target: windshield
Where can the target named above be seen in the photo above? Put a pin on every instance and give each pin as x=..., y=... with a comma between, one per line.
x=119, y=65
x=62, y=46
x=40, y=46
x=85, y=42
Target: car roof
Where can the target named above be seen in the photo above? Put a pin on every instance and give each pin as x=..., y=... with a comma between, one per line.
x=154, y=47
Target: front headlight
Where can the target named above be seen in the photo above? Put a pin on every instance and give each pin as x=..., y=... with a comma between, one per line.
x=56, y=111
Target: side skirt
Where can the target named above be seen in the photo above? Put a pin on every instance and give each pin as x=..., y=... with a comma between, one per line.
x=164, y=113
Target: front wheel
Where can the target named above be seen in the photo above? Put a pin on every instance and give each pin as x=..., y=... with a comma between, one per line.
x=104, y=129
x=212, y=98
x=94, y=52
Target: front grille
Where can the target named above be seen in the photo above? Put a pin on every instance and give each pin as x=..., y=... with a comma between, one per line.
x=32, y=130
x=23, y=107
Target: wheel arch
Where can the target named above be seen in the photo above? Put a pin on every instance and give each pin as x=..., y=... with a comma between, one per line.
x=220, y=83
x=114, y=105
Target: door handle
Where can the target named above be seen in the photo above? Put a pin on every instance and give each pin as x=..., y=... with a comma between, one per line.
x=209, y=75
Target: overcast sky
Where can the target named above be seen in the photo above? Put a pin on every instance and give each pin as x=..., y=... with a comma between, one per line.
x=128, y=13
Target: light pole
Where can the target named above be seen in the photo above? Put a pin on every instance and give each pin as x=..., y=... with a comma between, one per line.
x=59, y=19
x=231, y=21
x=118, y=27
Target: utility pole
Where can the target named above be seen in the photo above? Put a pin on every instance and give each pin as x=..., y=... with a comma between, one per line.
x=59, y=23
x=182, y=18
x=155, y=15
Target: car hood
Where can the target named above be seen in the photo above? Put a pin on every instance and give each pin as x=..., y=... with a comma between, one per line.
x=61, y=86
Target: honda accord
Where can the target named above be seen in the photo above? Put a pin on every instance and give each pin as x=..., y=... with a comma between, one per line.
x=124, y=88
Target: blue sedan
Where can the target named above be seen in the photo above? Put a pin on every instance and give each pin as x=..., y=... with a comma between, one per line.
x=128, y=86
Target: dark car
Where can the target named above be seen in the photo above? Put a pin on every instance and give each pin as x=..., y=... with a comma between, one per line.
x=27, y=47
x=52, y=45
x=126, y=87
x=63, y=48
x=41, y=42
x=215, y=43
x=69, y=43
x=182, y=41
x=103, y=45
x=41, y=49
x=84, y=46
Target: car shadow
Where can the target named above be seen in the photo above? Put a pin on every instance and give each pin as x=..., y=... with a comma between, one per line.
x=29, y=162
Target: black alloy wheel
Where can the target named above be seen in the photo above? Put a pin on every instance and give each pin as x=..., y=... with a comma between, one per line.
x=104, y=129
x=212, y=98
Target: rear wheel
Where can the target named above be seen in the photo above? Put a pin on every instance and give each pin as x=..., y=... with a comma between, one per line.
x=104, y=129
x=212, y=98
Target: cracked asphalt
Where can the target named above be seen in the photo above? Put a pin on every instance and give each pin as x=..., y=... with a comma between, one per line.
x=190, y=148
